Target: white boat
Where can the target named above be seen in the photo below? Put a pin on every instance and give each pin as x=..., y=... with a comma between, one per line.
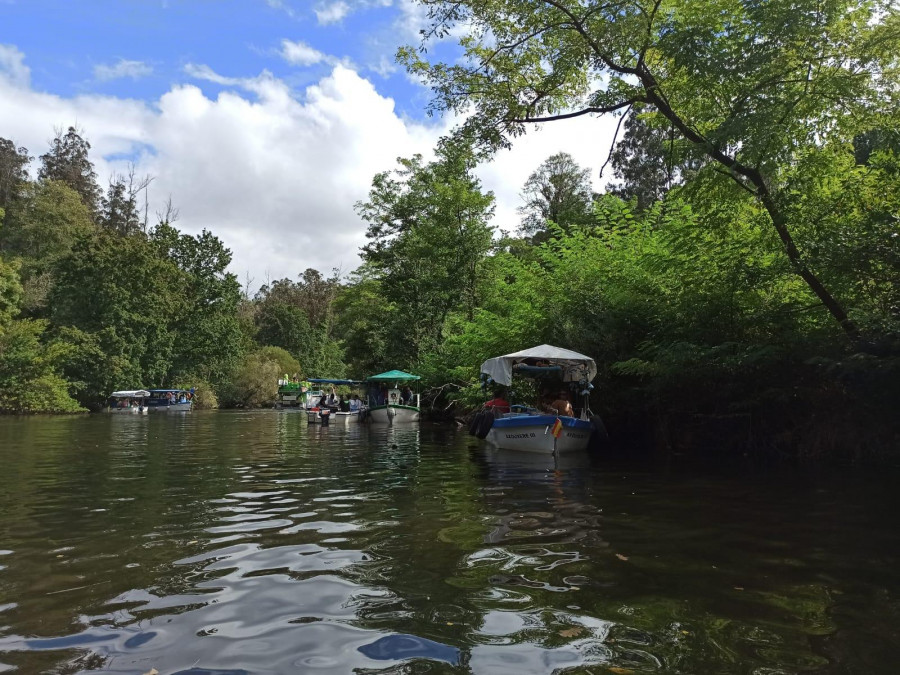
x=128, y=401
x=388, y=405
x=315, y=414
x=528, y=429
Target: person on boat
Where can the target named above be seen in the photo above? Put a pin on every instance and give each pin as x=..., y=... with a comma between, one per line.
x=498, y=403
x=343, y=404
x=355, y=403
x=406, y=395
x=561, y=405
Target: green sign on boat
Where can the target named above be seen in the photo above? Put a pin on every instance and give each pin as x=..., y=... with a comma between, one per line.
x=393, y=375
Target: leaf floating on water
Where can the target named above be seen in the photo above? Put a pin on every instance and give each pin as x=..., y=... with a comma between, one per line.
x=574, y=631
x=622, y=557
x=738, y=588
x=152, y=671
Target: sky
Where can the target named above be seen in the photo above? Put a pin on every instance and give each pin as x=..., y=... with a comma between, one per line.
x=264, y=121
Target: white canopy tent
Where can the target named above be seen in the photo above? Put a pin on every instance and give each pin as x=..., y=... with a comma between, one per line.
x=137, y=393
x=574, y=366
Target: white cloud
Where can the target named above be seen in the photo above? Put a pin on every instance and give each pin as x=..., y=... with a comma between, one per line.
x=12, y=65
x=332, y=12
x=122, y=68
x=279, y=4
x=300, y=54
x=274, y=174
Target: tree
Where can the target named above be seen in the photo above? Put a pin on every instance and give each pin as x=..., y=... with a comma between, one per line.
x=750, y=86
x=68, y=161
x=41, y=227
x=428, y=235
x=299, y=317
x=118, y=209
x=10, y=292
x=559, y=191
x=255, y=381
x=29, y=377
x=128, y=299
x=209, y=337
x=645, y=160
x=13, y=171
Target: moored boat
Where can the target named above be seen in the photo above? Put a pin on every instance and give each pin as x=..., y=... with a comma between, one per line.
x=170, y=400
x=388, y=402
x=530, y=429
x=132, y=401
x=323, y=409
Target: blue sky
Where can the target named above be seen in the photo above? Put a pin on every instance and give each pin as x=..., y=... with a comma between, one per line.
x=72, y=47
x=263, y=120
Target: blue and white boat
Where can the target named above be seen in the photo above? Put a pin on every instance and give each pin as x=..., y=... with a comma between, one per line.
x=165, y=400
x=531, y=430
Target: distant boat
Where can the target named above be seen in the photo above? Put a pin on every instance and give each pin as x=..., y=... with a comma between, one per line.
x=387, y=404
x=529, y=429
x=317, y=413
x=161, y=400
x=131, y=401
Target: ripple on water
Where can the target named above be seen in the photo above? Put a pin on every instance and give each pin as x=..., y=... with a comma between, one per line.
x=270, y=547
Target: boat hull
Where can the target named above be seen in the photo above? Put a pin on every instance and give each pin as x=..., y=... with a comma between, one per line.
x=136, y=410
x=532, y=433
x=313, y=417
x=171, y=407
x=393, y=414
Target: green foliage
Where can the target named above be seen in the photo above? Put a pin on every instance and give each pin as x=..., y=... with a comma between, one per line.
x=255, y=381
x=129, y=298
x=29, y=381
x=428, y=235
x=751, y=87
x=10, y=292
x=299, y=317
x=13, y=171
x=68, y=161
x=286, y=363
x=209, y=339
x=558, y=191
x=41, y=227
x=204, y=394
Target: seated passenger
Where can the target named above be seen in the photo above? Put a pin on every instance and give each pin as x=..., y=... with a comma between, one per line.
x=561, y=405
x=343, y=404
x=355, y=403
x=498, y=403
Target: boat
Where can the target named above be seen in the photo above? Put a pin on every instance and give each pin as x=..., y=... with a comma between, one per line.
x=291, y=393
x=128, y=401
x=526, y=428
x=317, y=414
x=386, y=401
x=165, y=400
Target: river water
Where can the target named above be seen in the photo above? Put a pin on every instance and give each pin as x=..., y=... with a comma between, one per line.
x=230, y=542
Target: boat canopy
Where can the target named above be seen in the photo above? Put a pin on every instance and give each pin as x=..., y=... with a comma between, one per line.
x=137, y=393
x=166, y=391
x=570, y=366
x=316, y=380
x=397, y=375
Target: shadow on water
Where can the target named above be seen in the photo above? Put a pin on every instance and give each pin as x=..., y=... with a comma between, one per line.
x=250, y=542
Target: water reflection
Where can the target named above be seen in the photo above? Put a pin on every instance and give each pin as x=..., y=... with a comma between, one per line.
x=255, y=543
